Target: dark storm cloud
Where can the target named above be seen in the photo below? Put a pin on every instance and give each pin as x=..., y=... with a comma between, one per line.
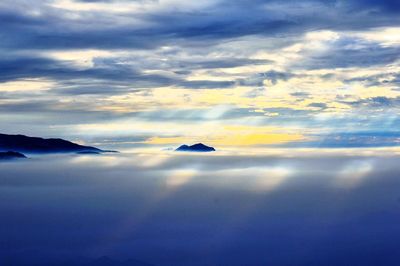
x=27, y=106
x=216, y=63
x=107, y=76
x=389, y=6
x=318, y=105
x=55, y=29
x=300, y=95
x=379, y=102
x=95, y=88
x=55, y=112
x=272, y=76
x=207, y=84
x=392, y=79
x=349, y=52
x=14, y=68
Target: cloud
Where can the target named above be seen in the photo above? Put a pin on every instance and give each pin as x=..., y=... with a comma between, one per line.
x=318, y=105
x=18, y=67
x=298, y=63
x=380, y=102
x=142, y=205
x=85, y=29
x=347, y=52
x=381, y=79
x=359, y=139
x=107, y=76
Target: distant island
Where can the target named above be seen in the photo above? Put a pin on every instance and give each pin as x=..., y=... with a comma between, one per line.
x=199, y=147
x=8, y=155
x=25, y=144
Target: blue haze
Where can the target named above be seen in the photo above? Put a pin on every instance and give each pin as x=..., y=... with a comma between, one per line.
x=190, y=209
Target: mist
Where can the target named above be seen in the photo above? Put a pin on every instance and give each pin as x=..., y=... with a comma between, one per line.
x=187, y=209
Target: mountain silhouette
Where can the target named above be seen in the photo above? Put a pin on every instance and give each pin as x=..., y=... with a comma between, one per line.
x=21, y=143
x=199, y=147
x=11, y=155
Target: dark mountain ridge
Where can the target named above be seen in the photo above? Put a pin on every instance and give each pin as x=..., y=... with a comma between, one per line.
x=21, y=143
x=8, y=155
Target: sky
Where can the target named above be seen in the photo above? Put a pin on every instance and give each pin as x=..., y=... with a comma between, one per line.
x=254, y=73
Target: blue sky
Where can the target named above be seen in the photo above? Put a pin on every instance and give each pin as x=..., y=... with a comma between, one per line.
x=229, y=73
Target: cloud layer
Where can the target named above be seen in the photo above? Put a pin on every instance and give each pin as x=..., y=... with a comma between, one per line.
x=220, y=209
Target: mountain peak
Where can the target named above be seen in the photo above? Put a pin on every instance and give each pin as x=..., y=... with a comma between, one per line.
x=198, y=147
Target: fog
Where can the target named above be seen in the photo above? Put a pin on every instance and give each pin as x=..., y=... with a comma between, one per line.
x=166, y=208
